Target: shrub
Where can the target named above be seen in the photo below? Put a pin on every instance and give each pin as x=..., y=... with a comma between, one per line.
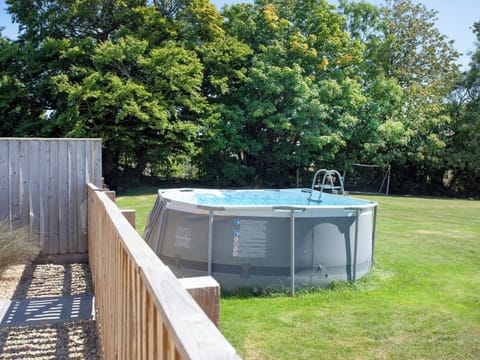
x=17, y=245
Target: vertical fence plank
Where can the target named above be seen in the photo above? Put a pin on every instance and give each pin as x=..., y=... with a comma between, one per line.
x=97, y=163
x=81, y=194
x=120, y=314
x=72, y=196
x=44, y=194
x=145, y=323
x=53, y=200
x=32, y=186
x=23, y=182
x=14, y=181
x=4, y=181
x=88, y=161
x=62, y=196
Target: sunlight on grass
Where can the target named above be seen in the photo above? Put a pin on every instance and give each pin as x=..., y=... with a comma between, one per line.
x=420, y=301
x=141, y=200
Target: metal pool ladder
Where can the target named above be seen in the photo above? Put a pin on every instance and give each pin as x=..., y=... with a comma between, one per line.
x=328, y=183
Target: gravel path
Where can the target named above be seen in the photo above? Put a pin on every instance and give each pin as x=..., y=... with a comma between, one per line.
x=68, y=340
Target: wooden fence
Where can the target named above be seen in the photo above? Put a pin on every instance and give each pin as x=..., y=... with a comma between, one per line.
x=42, y=185
x=143, y=312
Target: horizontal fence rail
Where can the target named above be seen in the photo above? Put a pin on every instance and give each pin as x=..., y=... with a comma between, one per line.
x=143, y=312
x=42, y=186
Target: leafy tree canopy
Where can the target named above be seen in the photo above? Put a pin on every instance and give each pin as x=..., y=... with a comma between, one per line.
x=144, y=77
x=258, y=94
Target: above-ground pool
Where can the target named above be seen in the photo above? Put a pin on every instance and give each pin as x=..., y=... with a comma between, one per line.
x=263, y=238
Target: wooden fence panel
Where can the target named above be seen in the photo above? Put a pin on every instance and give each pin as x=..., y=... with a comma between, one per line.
x=42, y=185
x=143, y=312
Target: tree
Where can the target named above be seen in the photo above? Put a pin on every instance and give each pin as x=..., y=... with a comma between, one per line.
x=135, y=99
x=403, y=47
x=22, y=112
x=145, y=78
x=297, y=104
x=462, y=156
x=259, y=94
x=57, y=19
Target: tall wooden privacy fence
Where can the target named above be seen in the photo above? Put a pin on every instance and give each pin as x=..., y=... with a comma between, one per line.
x=42, y=185
x=143, y=312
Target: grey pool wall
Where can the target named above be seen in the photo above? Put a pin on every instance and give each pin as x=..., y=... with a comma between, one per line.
x=277, y=246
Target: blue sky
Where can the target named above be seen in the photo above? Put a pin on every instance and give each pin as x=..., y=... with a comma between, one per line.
x=455, y=20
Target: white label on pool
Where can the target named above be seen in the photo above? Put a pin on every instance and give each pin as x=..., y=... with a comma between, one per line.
x=252, y=241
x=183, y=237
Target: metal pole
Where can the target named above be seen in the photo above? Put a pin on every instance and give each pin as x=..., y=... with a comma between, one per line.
x=210, y=241
x=388, y=179
x=357, y=218
x=374, y=230
x=292, y=250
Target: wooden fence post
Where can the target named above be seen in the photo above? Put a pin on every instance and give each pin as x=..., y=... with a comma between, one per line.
x=206, y=292
x=111, y=194
x=130, y=216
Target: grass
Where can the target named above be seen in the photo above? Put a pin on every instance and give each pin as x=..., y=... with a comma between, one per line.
x=421, y=300
x=141, y=200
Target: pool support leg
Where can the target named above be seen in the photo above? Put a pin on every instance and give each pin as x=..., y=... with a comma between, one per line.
x=210, y=241
x=355, y=248
x=374, y=230
x=292, y=251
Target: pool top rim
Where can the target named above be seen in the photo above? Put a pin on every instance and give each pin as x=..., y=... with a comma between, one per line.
x=356, y=202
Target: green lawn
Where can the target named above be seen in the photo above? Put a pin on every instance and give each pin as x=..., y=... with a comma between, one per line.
x=141, y=200
x=421, y=301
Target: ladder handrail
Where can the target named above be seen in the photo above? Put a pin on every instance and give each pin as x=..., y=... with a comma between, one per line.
x=327, y=175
